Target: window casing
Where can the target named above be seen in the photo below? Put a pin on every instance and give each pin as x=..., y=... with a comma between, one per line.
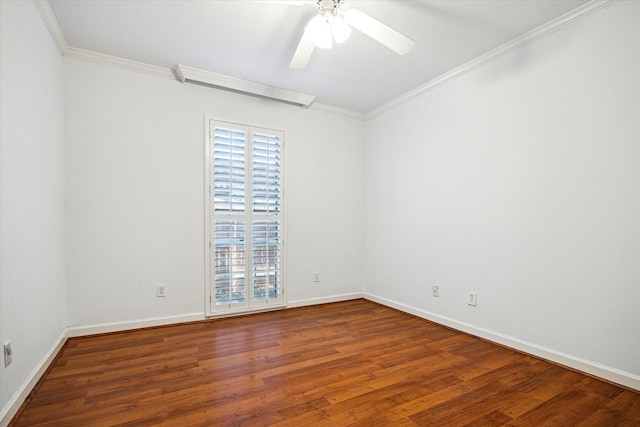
x=243, y=211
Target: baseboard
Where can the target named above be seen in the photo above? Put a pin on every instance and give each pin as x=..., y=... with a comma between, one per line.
x=104, y=328
x=12, y=407
x=325, y=300
x=595, y=369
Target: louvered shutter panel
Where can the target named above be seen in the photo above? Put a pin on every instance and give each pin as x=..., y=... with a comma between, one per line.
x=229, y=170
x=266, y=260
x=229, y=263
x=266, y=174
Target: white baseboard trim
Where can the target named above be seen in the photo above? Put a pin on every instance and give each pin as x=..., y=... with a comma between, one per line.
x=12, y=407
x=595, y=369
x=104, y=328
x=325, y=300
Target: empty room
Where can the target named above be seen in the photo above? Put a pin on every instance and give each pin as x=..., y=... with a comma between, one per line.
x=325, y=212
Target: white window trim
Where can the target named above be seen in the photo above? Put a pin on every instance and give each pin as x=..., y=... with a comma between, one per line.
x=209, y=312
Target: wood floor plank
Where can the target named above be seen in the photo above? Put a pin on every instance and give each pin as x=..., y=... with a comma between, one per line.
x=354, y=363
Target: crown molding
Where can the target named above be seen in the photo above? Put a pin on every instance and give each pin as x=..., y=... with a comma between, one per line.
x=50, y=21
x=141, y=67
x=127, y=64
x=538, y=33
x=339, y=110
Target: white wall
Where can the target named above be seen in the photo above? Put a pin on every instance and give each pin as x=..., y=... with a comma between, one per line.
x=33, y=311
x=519, y=180
x=135, y=215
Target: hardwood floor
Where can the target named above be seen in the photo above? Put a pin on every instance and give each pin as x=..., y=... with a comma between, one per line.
x=348, y=363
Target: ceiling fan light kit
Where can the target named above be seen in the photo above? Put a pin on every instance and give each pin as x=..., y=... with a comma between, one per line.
x=319, y=30
x=329, y=26
x=340, y=29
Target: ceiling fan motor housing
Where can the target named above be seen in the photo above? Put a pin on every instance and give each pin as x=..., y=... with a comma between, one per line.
x=329, y=6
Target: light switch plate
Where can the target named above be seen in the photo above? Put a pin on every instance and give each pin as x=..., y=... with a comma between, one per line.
x=473, y=299
x=8, y=353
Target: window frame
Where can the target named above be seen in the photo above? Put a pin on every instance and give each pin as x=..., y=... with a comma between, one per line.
x=249, y=218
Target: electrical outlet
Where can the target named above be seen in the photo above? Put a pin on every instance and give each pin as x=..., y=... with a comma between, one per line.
x=316, y=276
x=8, y=353
x=473, y=299
x=161, y=290
x=435, y=291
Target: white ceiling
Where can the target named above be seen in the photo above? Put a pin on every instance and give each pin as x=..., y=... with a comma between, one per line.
x=255, y=40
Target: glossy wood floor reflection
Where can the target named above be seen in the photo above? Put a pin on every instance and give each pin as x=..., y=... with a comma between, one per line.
x=348, y=363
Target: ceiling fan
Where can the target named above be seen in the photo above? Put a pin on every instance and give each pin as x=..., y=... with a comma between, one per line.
x=333, y=24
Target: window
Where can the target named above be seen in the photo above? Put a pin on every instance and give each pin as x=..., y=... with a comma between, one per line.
x=244, y=218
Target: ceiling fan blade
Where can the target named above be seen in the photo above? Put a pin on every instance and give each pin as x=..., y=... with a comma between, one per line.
x=378, y=31
x=303, y=52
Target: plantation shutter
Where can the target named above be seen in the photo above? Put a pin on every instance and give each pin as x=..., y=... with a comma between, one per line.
x=245, y=225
